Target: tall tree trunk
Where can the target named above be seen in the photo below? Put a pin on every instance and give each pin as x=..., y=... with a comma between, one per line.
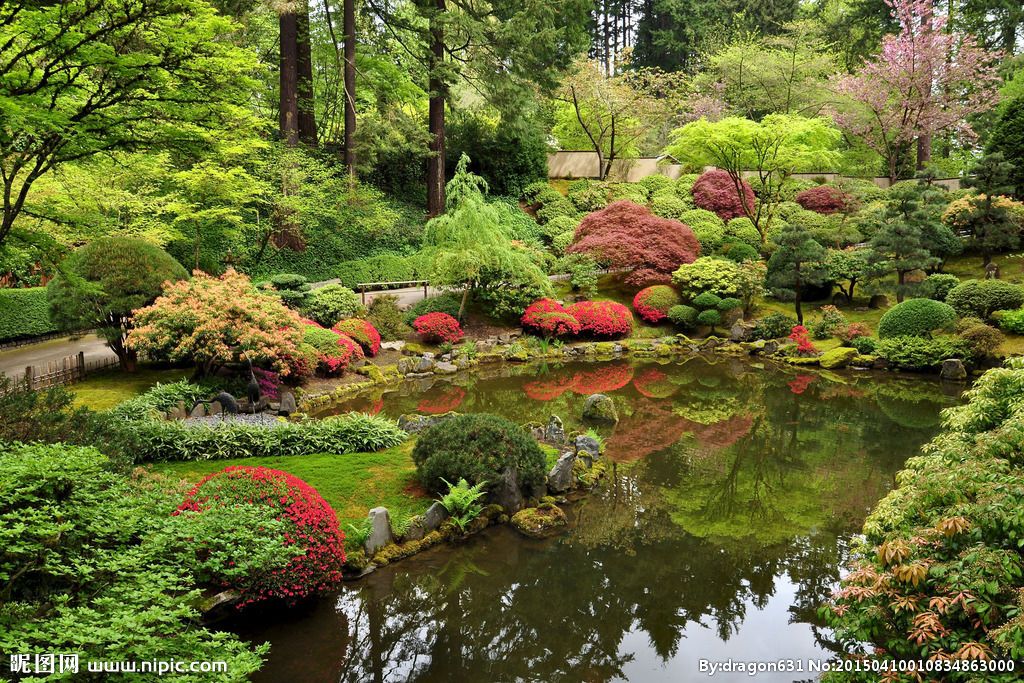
x=924, y=151
x=349, y=27
x=901, y=280
x=438, y=96
x=288, y=111
x=305, y=104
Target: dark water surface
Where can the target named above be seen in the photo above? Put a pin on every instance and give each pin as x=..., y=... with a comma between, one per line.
x=725, y=522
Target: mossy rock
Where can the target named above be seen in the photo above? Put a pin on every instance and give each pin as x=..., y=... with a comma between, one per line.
x=600, y=408
x=604, y=348
x=837, y=358
x=540, y=522
x=802, y=360
x=516, y=354
x=372, y=372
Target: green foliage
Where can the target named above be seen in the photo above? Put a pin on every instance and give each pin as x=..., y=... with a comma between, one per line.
x=797, y=263
x=773, y=326
x=683, y=316
x=916, y=318
x=670, y=206
x=331, y=303
x=290, y=282
x=633, y=192
x=384, y=314
x=938, y=286
x=708, y=274
x=25, y=313
x=1007, y=139
x=508, y=156
x=1012, y=321
x=981, y=298
x=516, y=223
x=478, y=448
x=743, y=229
x=707, y=300
x=582, y=270
x=448, y=302
x=919, y=353
x=707, y=227
x=95, y=564
x=738, y=252
x=47, y=415
x=560, y=207
x=983, y=339
x=710, y=317
x=864, y=345
x=163, y=397
x=561, y=242
x=461, y=502
x=560, y=226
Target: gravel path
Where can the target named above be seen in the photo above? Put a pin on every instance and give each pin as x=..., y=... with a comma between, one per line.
x=260, y=419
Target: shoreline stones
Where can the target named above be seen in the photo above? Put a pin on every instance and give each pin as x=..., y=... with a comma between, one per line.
x=600, y=408
x=540, y=522
x=380, y=530
x=414, y=423
x=953, y=370
x=560, y=477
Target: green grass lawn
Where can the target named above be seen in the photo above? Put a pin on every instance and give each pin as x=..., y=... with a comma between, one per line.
x=104, y=390
x=351, y=484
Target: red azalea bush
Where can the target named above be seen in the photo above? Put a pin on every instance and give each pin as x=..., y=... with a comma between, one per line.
x=363, y=332
x=547, y=318
x=802, y=337
x=715, y=191
x=652, y=303
x=606, y=319
x=437, y=328
x=824, y=199
x=624, y=235
x=311, y=527
x=851, y=331
x=334, y=351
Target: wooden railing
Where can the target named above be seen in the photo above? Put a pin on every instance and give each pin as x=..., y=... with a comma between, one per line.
x=365, y=287
x=65, y=371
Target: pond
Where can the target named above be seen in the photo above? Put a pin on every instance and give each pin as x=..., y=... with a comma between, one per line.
x=725, y=521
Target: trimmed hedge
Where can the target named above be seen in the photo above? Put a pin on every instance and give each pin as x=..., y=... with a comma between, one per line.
x=918, y=353
x=915, y=318
x=981, y=298
x=24, y=313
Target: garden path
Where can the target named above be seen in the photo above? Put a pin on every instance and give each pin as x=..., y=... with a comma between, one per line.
x=14, y=361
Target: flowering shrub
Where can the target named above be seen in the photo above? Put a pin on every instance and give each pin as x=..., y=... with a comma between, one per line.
x=212, y=321
x=832, y=319
x=310, y=528
x=851, y=331
x=602, y=378
x=715, y=191
x=363, y=332
x=653, y=303
x=802, y=337
x=824, y=199
x=626, y=236
x=335, y=351
x=547, y=318
x=269, y=383
x=606, y=319
x=438, y=328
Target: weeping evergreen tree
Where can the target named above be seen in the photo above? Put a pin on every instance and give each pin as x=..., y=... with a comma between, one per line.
x=467, y=247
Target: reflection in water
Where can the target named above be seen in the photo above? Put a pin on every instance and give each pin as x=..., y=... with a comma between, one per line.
x=723, y=524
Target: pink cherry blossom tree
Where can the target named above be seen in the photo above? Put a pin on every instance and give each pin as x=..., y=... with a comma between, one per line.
x=925, y=80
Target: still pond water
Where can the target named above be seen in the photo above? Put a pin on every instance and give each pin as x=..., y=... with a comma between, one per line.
x=725, y=522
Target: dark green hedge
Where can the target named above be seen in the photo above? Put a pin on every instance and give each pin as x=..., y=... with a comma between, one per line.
x=24, y=313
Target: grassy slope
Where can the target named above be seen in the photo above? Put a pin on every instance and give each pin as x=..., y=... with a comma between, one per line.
x=104, y=390
x=351, y=484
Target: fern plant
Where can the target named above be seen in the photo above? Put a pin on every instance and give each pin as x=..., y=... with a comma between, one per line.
x=461, y=502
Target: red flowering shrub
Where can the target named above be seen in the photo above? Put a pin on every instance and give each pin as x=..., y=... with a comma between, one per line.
x=624, y=235
x=437, y=327
x=363, y=332
x=715, y=191
x=310, y=527
x=851, y=331
x=606, y=319
x=547, y=318
x=802, y=337
x=602, y=378
x=269, y=382
x=652, y=303
x=824, y=199
x=548, y=389
x=335, y=351
x=445, y=402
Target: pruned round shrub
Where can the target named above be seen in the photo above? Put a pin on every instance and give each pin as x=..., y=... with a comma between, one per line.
x=824, y=199
x=547, y=318
x=729, y=303
x=655, y=183
x=307, y=525
x=739, y=252
x=603, y=319
x=561, y=242
x=335, y=350
x=363, y=332
x=561, y=207
x=479, y=448
x=915, y=318
x=981, y=298
x=708, y=274
x=918, y=353
x=438, y=328
x=710, y=317
x=669, y=206
x=448, y=302
x=653, y=303
x=384, y=314
x=707, y=227
x=633, y=192
x=743, y=229
x=938, y=286
x=560, y=225
x=715, y=191
x=773, y=326
x=983, y=339
x=706, y=300
x=331, y=303
x=683, y=316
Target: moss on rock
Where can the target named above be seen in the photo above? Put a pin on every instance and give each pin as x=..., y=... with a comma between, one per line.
x=539, y=522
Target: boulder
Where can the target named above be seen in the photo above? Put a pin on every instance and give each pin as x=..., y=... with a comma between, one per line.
x=198, y=411
x=392, y=345
x=425, y=364
x=878, y=301
x=178, y=412
x=554, y=432
x=600, y=408
x=507, y=492
x=414, y=423
x=741, y=331
x=288, y=405
x=953, y=370
x=380, y=530
x=839, y=300
x=434, y=516
x=541, y=521
x=406, y=365
x=837, y=358
x=445, y=368
x=560, y=477
x=588, y=449
x=216, y=408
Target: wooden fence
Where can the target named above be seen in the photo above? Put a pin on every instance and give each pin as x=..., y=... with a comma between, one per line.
x=65, y=371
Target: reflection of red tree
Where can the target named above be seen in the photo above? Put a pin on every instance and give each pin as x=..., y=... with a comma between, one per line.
x=548, y=389
x=840, y=391
x=719, y=435
x=651, y=428
x=800, y=384
x=653, y=383
x=376, y=406
x=444, y=402
x=602, y=377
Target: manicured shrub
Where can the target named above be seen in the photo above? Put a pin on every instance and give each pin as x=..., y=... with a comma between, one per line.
x=1011, y=321
x=385, y=315
x=335, y=350
x=633, y=192
x=363, y=332
x=684, y=184
x=711, y=317
x=536, y=189
x=773, y=326
x=212, y=321
x=983, y=340
x=938, y=286
x=438, y=328
x=707, y=300
x=865, y=345
x=602, y=319
x=919, y=353
x=442, y=303
x=916, y=318
x=558, y=226
x=381, y=268
x=655, y=183
x=981, y=298
x=591, y=198
x=290, y=282
x=708, y=274
x=653, y=303
x=627, y=236
x=729, y=303
x=307, y=526
x=743, y=229
x=715, y=191
x=824, y=199
x=707, y=227
x=739, y=252
x=507, y=299
x=561, y=242
x=479, y=448
x=669, y=206
x=683, y=316
x=25, y=313
x=102, y=283
x=547, y=318
x=331, y=303
x=561, y=207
